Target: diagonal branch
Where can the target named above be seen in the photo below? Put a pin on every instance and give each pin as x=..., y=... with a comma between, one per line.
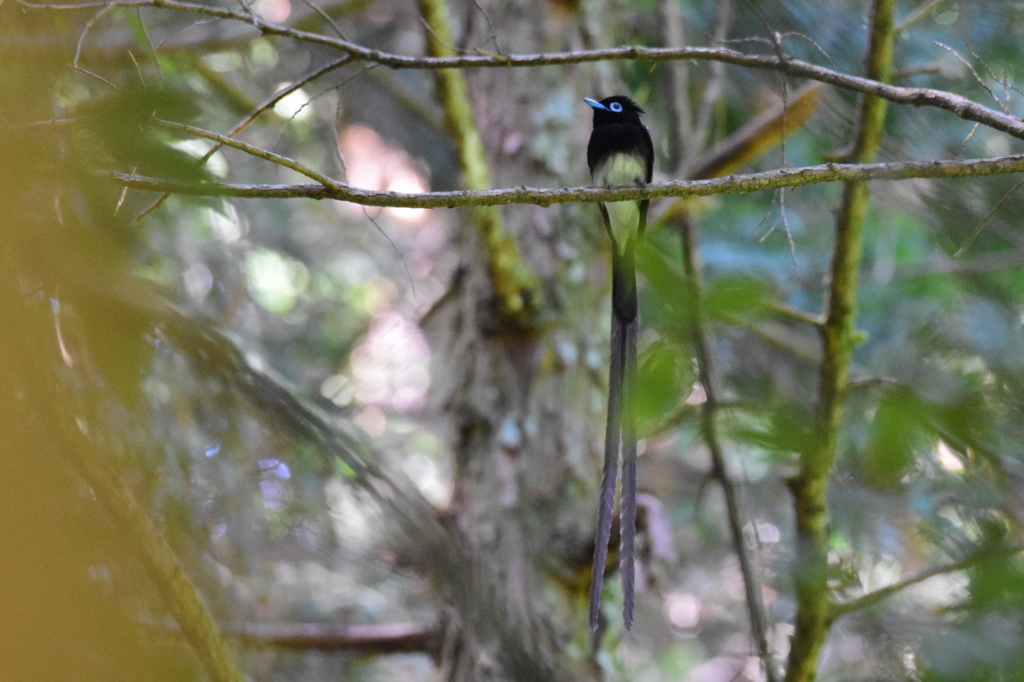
x=252, y=116
x=179, y=593
x=253, y=150
x=877, y=596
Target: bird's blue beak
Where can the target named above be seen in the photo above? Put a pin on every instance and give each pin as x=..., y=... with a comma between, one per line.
x=595, y=104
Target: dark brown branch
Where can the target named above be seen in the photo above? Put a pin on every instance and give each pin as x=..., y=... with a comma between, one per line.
x=375, y=639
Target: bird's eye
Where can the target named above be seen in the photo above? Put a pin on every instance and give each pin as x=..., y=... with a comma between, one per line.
x=615, y=106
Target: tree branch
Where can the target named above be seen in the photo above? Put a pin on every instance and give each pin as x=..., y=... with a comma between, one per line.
x=838, y=340
x=733, y=184
x=376, y=639
x=871, y=598
x=709, y=431
x=253, y=150
x=517, y=288
x=960, y=106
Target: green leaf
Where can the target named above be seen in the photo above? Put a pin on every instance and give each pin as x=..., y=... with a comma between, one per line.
x=121, y=127
x=664, y=378
x=736, y=297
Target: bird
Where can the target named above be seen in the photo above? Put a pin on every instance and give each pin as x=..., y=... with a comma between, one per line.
x=620, y=153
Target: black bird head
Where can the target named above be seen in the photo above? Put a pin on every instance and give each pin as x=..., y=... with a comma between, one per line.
x=614, y=109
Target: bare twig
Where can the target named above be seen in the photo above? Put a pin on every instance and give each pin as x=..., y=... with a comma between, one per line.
x=250, y=149
x=244, y=123
x=974, y=72
x=709, y=430
x=797, y=315
x=977, y=231
x=716, y=77
x=677, y=87
x=871, y=598
x=326, y=17
x=917, y=15
x=106, y=7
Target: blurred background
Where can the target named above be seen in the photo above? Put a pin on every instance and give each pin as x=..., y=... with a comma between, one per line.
x=370, y=467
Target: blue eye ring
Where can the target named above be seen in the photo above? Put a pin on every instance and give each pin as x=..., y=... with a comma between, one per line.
x=616, y=107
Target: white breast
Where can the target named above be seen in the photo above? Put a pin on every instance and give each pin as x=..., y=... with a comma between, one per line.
x=624, y=216
x=620, y=169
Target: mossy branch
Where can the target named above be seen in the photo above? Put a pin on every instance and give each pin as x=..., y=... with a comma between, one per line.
x=838, y=341
x=517, y=288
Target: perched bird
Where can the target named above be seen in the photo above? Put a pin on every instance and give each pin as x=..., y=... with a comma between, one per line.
x=620, y=153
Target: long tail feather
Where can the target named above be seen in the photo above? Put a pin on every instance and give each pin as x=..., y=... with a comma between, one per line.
x=624, y=304
x=611, y=468
x=621, y=428
x=627, y=503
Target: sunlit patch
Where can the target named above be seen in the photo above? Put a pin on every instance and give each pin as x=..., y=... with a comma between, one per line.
x=683, y=610
x=275, y=280
x=198, y=280
x=274, y=11
x=389, y=367
x=294, y=106
x=225, y=223
x=372, y=420
x=224, y=62
x=338, y=389
x=372, y=164
x=216, y=164
x=767, y=533
x=948, y=459
x=424, y=473
x=276, y=468
x=698, y=396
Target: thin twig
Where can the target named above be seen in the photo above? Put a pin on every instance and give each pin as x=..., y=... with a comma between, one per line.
x=709, y=430
x=716, y=77
x=376, y=639
x=916, y=16
x=871, y=598
x=977, y=76
x=977, y=231
x=106, y=7
x=250, y=149
x=326, y=17
x=244, y=123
